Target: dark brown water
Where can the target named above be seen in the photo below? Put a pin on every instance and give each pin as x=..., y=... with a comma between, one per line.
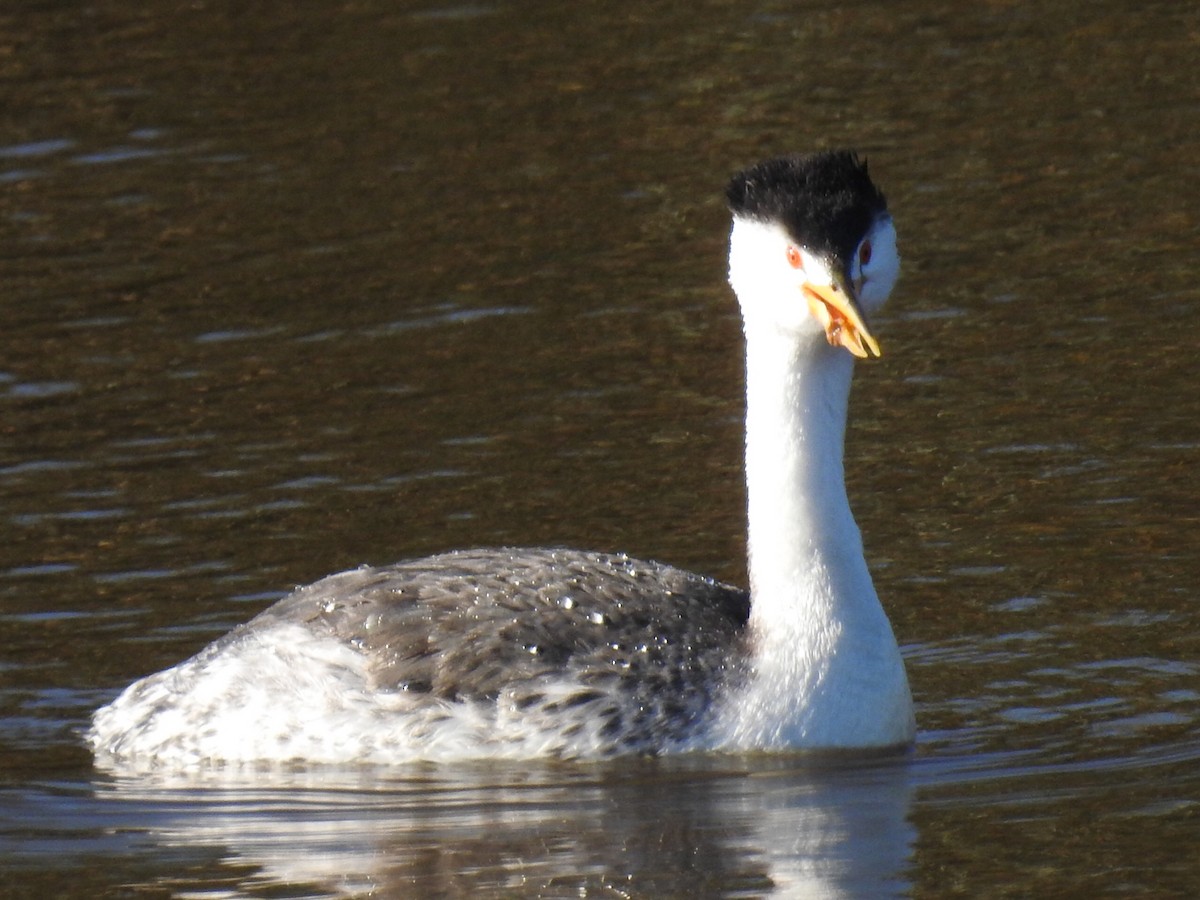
x=287, y=288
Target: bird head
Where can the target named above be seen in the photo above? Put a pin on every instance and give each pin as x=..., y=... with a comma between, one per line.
x=813, y=248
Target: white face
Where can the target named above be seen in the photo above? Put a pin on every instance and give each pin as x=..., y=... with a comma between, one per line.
x=768, y=272
x=876, y=265
x=767, y=285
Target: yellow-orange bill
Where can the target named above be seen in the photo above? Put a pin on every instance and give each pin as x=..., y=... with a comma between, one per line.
x=843, y=321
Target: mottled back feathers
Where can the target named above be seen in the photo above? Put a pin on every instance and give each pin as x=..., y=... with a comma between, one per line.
x=484, y=625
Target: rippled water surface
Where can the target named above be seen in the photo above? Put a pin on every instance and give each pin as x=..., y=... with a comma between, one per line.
x=290, y=288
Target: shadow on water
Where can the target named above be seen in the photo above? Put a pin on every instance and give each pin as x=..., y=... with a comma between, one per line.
x=704, y=826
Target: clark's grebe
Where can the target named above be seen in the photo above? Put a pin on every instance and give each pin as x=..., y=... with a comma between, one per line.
x=544, y=652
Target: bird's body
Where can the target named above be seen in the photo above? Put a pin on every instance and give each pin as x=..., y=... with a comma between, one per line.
x=522, y=653
x=440, y=657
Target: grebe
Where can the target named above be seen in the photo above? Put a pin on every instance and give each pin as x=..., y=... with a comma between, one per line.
x=518, y=653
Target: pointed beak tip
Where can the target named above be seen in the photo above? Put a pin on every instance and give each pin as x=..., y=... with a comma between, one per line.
x=838, y=313
x=861, y=345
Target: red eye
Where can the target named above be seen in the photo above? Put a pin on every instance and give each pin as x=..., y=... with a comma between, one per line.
x=864, y=253
x=795, y=260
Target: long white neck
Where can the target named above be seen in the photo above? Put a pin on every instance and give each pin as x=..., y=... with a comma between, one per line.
x=825, y=668
x=826, y=671
x=799, y=516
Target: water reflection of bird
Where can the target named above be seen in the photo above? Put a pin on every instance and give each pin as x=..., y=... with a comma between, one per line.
x=519, y=653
